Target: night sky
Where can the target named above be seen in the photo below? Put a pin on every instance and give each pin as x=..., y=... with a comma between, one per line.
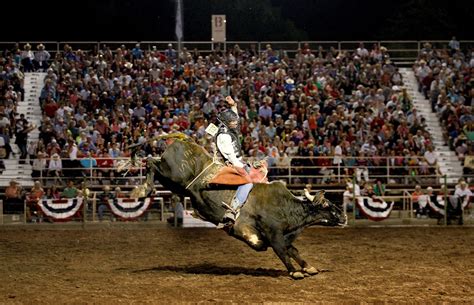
x=247, y=20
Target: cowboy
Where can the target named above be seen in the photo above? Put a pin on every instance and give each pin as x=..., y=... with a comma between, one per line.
x=41, y=58
x=228, y=145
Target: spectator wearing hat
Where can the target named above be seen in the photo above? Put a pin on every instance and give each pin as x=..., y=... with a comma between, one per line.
x=118, y=193
x=422, y=207
x=27, y=57
x=40, y=164
x=349, y=199
x=55, y=167
x=35, y=194
x=41, y=59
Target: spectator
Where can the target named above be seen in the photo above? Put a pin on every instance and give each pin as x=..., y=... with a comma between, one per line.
x=463, y=193
x=41, y=59
x=422, y=208
x=118, y=193
x=13, y=198
x=70, y=191
x=415, y=196
x=431, y=159
x=311, y=93
x=36, y=193
x=55, y=167
x=27, y=57
x=178, y=211
x=379, y=188
x=454, y=45
x=104, y=198
x=21, y=134
x=349, y=199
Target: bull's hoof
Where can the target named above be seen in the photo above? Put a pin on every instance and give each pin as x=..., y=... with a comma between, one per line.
x=297, y=275
x=310, y=271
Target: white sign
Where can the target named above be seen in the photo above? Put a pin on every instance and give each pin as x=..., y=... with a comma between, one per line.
x=218, y=28
x=212, y=129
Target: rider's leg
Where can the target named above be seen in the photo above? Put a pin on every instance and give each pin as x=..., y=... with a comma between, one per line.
x=241, y=195
x=237, y=202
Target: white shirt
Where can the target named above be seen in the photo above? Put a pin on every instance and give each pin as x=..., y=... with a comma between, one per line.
x=337, y=155
x=461, y=193
x=55, y=164
x=224, y=144
x=430, y=157
x=73, y=152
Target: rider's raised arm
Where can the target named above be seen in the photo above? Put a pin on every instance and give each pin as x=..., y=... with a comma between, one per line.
x=224, y=144
x=232, y=103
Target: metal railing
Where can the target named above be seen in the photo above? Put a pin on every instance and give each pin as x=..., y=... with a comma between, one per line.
x=318, y=170
x=400, y=50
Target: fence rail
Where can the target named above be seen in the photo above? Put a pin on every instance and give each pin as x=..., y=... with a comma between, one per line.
x=398, y=49
x=293, y=170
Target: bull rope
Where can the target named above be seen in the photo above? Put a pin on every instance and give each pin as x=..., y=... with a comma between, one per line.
x=215, y=160
x=202, y=172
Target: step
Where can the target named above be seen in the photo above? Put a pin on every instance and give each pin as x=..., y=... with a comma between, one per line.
x=454, y=163
x=447, y=159
x=454, y=167
x=450, y=167
x=18, y=172
x=33, y=112
x=25, y=182
x=446, y=153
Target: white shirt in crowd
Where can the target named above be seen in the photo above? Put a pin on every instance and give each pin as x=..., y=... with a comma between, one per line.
x=462, y=192
x=430, y=157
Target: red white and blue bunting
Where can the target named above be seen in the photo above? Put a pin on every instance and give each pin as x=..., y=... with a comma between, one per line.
x=128, y=208
x=375, y=209
x=60, y=209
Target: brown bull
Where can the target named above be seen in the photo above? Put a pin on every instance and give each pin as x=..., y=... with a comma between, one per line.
x=272, y=216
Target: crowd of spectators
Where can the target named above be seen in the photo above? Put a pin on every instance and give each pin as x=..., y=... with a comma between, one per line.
x=347, y=108
x=446, y=77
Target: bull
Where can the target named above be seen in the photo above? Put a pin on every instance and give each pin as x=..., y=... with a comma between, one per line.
x=271, y=217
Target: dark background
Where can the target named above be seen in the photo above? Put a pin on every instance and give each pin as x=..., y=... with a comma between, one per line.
x=246, y=20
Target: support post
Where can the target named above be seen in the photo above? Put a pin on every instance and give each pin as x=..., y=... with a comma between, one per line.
x=94, y=205
x=354, y=204
x=446, y=199
x=24, y=211
x=84, y=211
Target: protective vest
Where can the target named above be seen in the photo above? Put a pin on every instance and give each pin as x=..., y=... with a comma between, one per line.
x=235, y=140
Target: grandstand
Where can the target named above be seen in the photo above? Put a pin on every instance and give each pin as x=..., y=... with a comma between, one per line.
x=339, y=111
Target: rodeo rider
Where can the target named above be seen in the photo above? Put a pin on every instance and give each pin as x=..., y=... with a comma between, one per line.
x=228, y=145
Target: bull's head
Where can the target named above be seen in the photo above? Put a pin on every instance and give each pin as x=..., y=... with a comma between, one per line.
x=324, y=212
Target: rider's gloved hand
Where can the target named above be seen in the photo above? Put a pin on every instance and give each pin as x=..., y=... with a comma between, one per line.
x=257, y=164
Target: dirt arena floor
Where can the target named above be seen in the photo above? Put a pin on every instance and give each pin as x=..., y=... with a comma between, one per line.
x=123, y=264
